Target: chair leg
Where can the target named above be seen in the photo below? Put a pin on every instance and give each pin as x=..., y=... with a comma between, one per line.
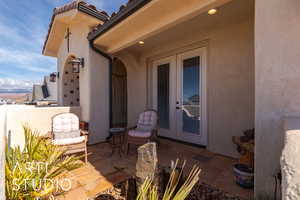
x=128, y=147
x=86, y=160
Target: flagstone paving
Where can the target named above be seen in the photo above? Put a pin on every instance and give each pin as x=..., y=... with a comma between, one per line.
x=103, y=170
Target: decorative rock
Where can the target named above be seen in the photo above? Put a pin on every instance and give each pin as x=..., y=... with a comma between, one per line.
x=146, y=165
x=289, y=162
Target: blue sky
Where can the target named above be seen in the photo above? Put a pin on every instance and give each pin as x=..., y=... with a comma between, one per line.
x=23, y=28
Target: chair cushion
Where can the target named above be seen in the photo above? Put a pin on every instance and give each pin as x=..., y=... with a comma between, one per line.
x=147, y=121
x=65, y=135
x=139, y=133
x=65, y=122
x=68, y=141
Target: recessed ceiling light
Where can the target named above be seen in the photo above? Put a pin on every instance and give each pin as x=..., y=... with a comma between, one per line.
x=212, y=11
x=141, y=42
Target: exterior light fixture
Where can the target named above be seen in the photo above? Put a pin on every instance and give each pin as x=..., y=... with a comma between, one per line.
x=76, y=63
x=212, y=11
x=53, y=77
x=141, y=42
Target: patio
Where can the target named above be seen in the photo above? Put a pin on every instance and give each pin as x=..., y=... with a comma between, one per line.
x=103, y=170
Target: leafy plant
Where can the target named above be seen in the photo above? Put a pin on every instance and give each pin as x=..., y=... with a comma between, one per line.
x=34, y=172
x=150, y=192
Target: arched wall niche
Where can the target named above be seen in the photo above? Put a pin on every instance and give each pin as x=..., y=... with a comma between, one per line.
x=70, y=85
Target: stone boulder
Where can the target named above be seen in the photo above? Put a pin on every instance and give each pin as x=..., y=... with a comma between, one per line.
x=147, y=163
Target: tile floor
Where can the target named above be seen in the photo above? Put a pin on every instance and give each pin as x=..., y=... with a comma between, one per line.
x=104, y=170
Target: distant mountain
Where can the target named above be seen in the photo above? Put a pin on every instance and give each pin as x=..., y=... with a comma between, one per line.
x=15, y=91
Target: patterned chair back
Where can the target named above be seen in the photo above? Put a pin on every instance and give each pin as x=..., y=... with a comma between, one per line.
x=147, y=120
x=65, y=125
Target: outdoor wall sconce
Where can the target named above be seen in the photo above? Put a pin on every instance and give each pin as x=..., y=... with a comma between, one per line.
x=53, y=77
x=76, y=63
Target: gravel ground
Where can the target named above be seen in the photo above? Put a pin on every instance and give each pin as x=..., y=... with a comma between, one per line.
x=201, y=191
x=114, y=193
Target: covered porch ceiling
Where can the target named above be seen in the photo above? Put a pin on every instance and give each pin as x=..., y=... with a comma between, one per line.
x=233, y=12
x=152, y=19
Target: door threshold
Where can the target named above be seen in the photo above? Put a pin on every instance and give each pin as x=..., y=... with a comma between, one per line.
x=183, y=142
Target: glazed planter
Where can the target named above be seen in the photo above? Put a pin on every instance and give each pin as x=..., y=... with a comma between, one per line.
x=244, y=175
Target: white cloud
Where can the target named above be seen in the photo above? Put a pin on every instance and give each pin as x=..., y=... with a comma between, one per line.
x=36, y=34
x=26, y=60
x=13, y=84
x=98, y=3
x=9, y=32
x=56, y=3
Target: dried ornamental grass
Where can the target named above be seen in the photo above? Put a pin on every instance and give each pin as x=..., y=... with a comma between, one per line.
x=150, y=192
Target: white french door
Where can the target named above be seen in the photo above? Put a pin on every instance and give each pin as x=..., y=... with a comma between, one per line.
x=191, y=97
x=179, y=95
x=164, y=95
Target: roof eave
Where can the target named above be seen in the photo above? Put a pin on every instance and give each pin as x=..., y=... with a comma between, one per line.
x=87, y=10
x=131, y=8
x=82, y=7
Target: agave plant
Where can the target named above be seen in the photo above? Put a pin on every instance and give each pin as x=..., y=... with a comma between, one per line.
x=148, y=191
x=32, y=173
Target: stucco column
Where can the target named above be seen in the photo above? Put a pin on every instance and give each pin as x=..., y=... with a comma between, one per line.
x=98, y=97
x=277, y=81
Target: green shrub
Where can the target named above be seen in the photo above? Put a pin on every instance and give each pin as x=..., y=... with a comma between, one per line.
x=33, y=173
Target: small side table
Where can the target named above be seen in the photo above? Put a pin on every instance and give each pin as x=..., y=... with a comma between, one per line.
x=117, y=138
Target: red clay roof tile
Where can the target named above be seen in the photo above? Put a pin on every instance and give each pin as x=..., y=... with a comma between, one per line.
x=70, y=6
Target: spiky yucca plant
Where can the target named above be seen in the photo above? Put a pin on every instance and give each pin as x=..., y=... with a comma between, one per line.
x=31, y=173
x=150, y=192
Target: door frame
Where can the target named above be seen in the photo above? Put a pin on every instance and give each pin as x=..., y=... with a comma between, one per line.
x=173, y=98
x=172, y=93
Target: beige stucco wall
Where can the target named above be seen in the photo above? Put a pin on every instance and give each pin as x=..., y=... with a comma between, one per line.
x=38, y=118
x=2, y=150
x=230, y=74
x=98, y=97
x=230, y=86
x=93, y=82
x=78, y=47
x=277, y=75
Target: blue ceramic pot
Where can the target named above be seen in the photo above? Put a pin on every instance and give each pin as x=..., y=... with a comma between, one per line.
x=244, y=176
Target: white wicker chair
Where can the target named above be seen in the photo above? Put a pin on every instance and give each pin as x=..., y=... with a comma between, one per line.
x=65, y=132
x=145, y=130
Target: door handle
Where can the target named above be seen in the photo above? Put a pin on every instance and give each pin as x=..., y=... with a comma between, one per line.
x=178, y=105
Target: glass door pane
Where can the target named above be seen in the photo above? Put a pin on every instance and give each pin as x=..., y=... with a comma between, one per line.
x=163, y=90
x=191, y=100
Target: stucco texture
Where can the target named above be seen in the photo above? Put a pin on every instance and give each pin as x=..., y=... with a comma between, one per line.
x=93, y=81
x=37, y=118
x=277, y=75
